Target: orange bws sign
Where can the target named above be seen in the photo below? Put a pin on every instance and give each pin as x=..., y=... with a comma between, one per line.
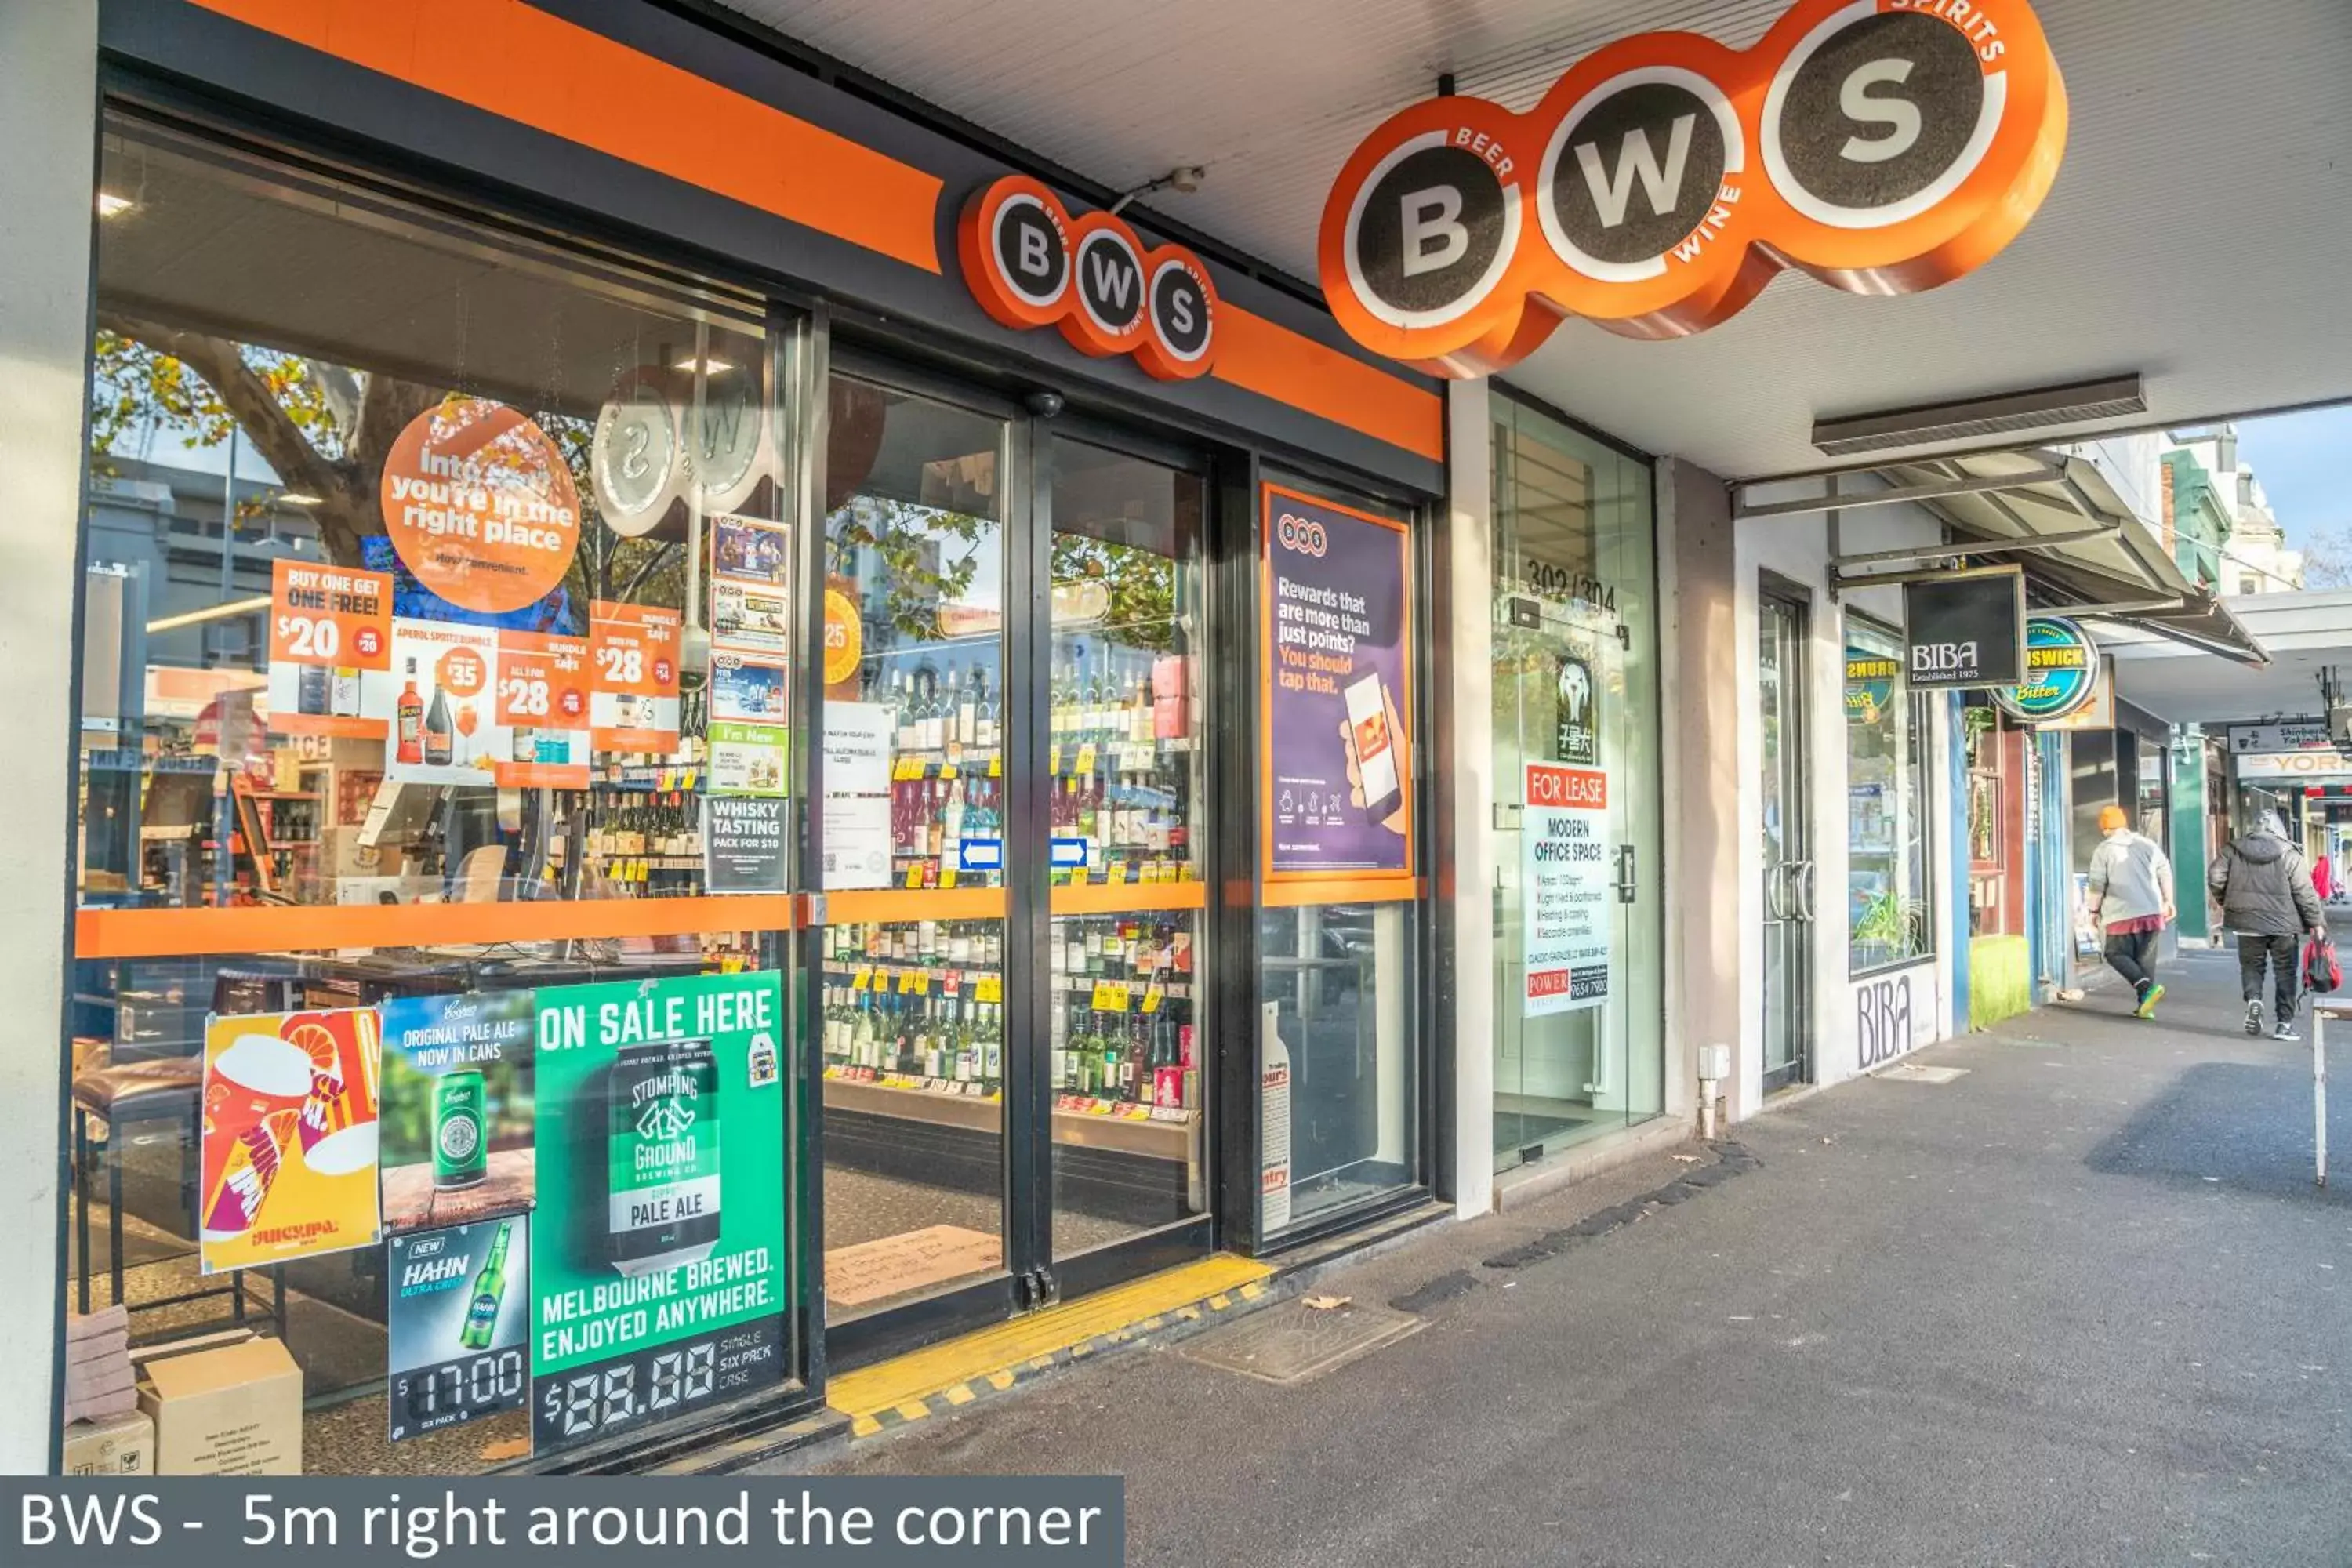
x=1883, y=146
x=1029, y=263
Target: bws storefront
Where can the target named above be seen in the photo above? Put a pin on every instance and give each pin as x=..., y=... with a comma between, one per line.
x=797, y=747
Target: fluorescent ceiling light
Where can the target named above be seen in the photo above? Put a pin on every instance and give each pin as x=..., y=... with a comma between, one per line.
x=109, y=204
x=2036, y=409
x=713, y=365
x=299, y=498
x=193, y=617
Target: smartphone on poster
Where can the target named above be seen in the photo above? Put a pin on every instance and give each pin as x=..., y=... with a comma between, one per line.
x=1376, y=760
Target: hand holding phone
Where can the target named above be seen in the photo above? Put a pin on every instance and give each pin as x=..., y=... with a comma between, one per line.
x=1375, y=742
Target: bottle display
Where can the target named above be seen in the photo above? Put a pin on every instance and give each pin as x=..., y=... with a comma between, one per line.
x=408, y=745
x=439, y=745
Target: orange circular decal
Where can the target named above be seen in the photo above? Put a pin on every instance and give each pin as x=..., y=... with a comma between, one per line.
x=844, y=638
x=1884, y=146
x=481, y=505
x=460, y=672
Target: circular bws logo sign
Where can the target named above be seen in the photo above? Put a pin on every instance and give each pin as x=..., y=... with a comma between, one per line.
x=634, y=460
x=1875, y=116
x=1110, y=288
x=481, y=505
x=1429, y=233
x=1635, y=171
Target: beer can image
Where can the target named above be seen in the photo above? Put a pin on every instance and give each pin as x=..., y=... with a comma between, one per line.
x=254, y=1161
x=460, y=1130
x=661, y=1131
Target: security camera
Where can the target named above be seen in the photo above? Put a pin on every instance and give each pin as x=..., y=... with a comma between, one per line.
x=1043, y=404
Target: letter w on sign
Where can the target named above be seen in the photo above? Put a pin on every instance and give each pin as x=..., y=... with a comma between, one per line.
x=1113, y=276
x=1612, y=193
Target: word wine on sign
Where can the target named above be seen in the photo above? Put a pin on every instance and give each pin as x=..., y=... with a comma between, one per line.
x=1884, y=146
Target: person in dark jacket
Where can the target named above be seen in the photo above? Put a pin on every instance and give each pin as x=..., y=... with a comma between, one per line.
x=2263, y=885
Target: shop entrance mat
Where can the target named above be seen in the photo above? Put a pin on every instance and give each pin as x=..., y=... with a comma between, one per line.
x=940, y=1377
x=1297, y=1340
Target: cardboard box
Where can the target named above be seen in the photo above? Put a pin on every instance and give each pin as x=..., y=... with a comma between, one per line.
x=122, y=1446
x=233, y=1410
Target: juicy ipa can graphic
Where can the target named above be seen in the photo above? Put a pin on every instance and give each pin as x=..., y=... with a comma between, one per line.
x=662, y=1190
x=460, y=1140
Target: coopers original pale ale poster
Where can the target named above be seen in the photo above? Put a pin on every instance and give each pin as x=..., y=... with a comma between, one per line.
x=658, y=1269
x=289, y=1136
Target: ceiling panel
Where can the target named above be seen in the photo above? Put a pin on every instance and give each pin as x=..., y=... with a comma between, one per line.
x=2191, y=236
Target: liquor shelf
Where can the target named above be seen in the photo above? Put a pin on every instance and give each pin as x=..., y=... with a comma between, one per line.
x=1161, y=1135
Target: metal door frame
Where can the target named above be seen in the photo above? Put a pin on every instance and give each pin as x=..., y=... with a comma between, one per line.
x=1798, y=881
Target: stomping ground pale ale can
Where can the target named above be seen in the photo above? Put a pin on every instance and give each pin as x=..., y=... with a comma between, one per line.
x=662, y=1156
x=460, y=1130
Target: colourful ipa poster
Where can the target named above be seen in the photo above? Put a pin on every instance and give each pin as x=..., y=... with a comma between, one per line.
x=1336, y=778
x=457, y=1105
x=289, y=1136
x=658, y=1269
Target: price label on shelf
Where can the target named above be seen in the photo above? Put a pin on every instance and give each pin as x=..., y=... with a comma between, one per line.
x=1151, y=998
x=863, y=978
x=1110, y=996
x=991, y=988
x=330, y=616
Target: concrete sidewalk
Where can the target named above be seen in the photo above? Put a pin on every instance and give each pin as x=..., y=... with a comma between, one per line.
x=2082, y=1305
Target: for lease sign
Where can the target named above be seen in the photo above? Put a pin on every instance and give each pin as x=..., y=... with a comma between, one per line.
x=1564, y=888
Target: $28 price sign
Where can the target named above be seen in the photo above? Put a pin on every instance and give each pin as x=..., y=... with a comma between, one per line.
x=542, y=681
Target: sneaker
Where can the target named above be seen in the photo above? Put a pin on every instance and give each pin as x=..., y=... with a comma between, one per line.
x=2285, y=1032
x=2146, y=1008
x=2253, y=1018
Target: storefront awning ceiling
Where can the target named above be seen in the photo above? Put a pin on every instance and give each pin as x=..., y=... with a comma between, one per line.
x=2085, y=552
x=2121, y=270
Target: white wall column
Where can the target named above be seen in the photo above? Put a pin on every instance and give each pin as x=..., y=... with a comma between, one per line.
x=48, y=105
x=1469, y=714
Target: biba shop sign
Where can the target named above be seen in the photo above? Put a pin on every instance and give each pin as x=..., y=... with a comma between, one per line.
x=1965, y=629
x=1883, y=146
x=1029, y=263
x=2062, y=673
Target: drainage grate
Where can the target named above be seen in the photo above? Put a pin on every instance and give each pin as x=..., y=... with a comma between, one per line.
x=1294, y=1342
x=1913, y=1072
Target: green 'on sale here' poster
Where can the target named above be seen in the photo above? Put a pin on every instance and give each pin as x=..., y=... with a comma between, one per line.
x=660, y=1274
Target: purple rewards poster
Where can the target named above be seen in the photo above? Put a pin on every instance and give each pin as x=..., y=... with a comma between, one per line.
x=1336, y=782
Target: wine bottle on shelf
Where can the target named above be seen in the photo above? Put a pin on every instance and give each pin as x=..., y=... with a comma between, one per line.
x=983, y=711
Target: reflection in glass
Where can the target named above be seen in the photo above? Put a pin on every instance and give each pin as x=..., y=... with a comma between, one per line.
x=913, y=1022
x=1888, y=912
x=1124, y=1053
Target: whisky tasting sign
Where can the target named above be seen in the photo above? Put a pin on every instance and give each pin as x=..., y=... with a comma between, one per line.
x=1884, y=146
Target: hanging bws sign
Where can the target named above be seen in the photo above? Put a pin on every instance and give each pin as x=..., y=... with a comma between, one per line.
x=1029, y=263
x=2062, y=672
x=1884, y=146
x=481, y=505
x=660, y=437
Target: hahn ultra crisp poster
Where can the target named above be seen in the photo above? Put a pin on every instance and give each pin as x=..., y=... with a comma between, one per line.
x=289, y=1136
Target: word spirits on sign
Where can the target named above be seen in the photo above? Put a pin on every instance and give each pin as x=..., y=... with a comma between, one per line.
x=1884, y=146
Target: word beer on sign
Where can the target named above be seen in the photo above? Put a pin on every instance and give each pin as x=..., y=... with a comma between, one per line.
x=1884, y=146
x=1029, y=263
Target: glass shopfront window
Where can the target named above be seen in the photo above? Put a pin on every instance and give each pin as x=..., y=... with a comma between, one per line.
x=433, y=865
x=1890, y=912
x=1579, y=1000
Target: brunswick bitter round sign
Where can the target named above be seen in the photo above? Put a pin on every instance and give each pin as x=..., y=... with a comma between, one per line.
x=2062, y=672
x=1883, y=146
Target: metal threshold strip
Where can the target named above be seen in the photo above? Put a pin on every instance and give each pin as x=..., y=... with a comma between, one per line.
x=2085, y=552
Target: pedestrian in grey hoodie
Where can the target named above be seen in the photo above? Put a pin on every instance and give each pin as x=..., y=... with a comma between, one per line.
x=2264, y=884
x=2131, y=898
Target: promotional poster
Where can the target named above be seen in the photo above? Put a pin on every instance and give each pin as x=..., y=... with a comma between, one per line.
x=1564, y=879
x=289, y=1136
x=1336, y=779
x=658, y=1270
x=457, y=1324
x=457, y=1107
x=633, y=678
x=328, y=626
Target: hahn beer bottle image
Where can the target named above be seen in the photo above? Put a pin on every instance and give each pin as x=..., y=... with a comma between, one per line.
x=460, y=1130
x=661, y=1156
x=490, y=1294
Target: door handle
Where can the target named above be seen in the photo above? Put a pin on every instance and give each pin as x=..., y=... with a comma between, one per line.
x=1776, y=890
x=1625, y=884
x=1801, y=875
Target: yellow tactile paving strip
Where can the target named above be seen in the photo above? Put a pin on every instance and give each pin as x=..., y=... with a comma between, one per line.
x=939, y=1377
